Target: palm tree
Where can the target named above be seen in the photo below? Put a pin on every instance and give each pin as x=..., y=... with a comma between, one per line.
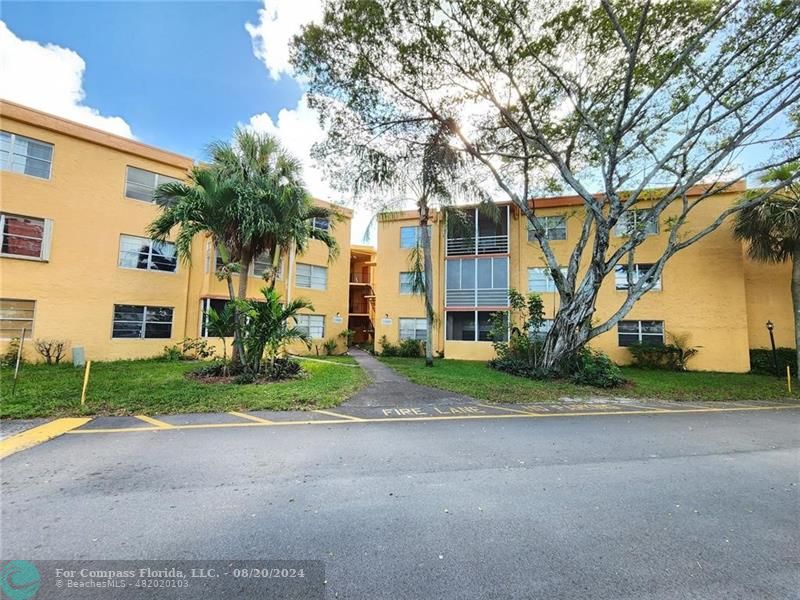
x=205, y=205
x=221, y=325
x=268, y=326
x=277, y=211
x=772, y=231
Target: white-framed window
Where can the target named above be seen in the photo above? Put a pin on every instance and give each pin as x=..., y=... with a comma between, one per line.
x=413, y=328
x=639, y=270
x=16, y=315
x=25, y=237
x=146, y=254
x=640, y=332
x=20, y=154
x=555, y=228
x=471, y=326
x=406, y=282
x=141, y=184
x=322, y=223
x=635, y=219
x=311, y=276
x=313, y=325
x=540, y=279
x=410, y=236
x=143, y=322
x=218, y=304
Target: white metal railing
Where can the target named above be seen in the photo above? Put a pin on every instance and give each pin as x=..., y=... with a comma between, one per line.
x=487, y=244
x=477, y=297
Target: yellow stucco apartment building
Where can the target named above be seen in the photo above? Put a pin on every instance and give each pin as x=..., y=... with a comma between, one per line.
x=75, y=262
x=710, y=291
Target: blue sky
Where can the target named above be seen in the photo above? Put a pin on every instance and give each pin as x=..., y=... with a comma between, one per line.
x=181, y=74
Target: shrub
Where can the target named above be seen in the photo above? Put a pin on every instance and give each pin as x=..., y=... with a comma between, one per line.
x=52, y=351
x=9, y=357
x=347, y=335
x=411, y=349
x=330, y=346
x=189, y=349
x=594, y=368
x=282, y=368
x=387, y=348
x=671, y=357
x=761, y=361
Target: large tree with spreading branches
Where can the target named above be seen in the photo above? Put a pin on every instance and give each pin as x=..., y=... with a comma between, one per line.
x=628, y=104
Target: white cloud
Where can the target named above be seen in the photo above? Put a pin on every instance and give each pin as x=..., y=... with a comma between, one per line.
x=49, y=78
x=278, y=22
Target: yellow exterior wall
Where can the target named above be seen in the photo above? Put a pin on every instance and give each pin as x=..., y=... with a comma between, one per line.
x=709, y=290
x=76, y=289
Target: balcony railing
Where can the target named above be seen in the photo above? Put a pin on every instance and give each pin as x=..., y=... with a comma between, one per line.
x=486, y=244
x=356, y=278
x=359, y=307
x=477, y=297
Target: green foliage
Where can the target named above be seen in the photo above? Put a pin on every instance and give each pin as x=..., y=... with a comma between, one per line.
x=595, y=368
x=405, y=349
x=672, y=356
x=189, y=349
x=9, y=357
x=387, y=348
x=347, y=335
x=267, y=327
x=521, y=352
x=330, y=346
x=762, y=362
x=411, y=348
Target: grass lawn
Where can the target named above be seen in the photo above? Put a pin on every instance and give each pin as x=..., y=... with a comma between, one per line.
x=159, y=387
x=479, y=381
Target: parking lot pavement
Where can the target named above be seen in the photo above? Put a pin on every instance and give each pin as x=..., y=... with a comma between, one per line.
x=656, y=505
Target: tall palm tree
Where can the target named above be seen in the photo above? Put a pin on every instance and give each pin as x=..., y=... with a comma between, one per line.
x=772, y=231
x=205, y=205
x=276, y=210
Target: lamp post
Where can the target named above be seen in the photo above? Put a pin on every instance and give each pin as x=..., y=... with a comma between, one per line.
x=770, y=328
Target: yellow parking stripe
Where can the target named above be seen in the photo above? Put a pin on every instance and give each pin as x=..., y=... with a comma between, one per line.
x=513, y=410
x=156, y=422
x=333, y=414
x=520, y=415
x=37, y=435
x=249, y=417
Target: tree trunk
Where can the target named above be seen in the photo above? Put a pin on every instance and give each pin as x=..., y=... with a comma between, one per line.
x=237, y=350
x=571, y=325
x=796, y=306
x=424, y=215
x=244, y=271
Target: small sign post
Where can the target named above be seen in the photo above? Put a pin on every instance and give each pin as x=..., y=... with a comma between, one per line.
x=85, y=382
x=19, y=361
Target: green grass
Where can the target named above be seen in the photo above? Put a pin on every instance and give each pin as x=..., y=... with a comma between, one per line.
x=159, y=387
x=476, y=379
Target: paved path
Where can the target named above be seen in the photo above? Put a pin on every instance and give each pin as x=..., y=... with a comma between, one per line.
x=389, y=389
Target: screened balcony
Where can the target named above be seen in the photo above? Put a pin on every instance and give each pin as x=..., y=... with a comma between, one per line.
x=472, y=282
x=476, y=233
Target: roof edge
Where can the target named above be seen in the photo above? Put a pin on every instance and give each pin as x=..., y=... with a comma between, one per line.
x=44, y=120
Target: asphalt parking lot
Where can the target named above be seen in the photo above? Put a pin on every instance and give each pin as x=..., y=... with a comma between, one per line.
x=630, y=503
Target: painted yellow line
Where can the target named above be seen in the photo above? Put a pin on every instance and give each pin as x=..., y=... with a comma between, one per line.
x=333, y=414
x=248, y=417
x=520, y=415
x=513, y=410
x=37, y=435
x=156, y=422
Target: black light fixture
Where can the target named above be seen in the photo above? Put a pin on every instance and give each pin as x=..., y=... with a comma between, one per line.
x=771, y=328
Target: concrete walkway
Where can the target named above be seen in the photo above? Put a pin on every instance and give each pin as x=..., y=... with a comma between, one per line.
x=390, y=389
